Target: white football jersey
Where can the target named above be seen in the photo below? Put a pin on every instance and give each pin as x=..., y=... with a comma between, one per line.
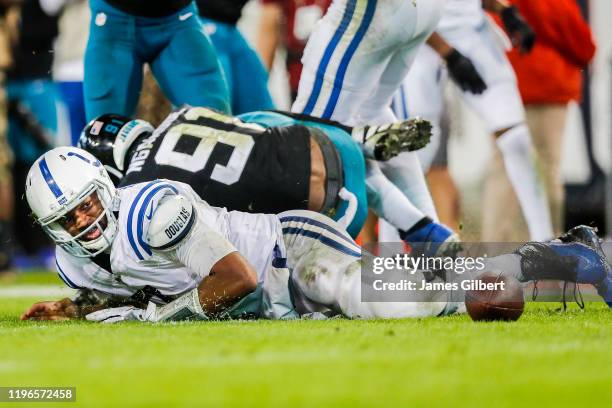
x=461, y=15
x=214, y=234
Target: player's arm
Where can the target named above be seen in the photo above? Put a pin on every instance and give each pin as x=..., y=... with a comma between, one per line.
x=230, y=279
x=520, y=32
x=63, y=309
x=178, y=233
x=460, y=68
x=226, y=274
x=86, y=301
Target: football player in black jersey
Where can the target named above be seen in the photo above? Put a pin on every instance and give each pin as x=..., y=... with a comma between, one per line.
x=265, y=162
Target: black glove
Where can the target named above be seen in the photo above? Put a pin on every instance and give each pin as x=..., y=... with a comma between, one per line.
x=521, y=33
x=463, y=72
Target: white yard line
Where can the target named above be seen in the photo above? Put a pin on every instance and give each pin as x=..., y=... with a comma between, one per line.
x=35, y=291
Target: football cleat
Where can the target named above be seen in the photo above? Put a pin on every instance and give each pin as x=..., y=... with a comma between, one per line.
x=385, y=142
x=588, y=236
x=585, y=235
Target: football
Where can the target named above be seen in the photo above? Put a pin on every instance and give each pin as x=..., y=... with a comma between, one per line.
x=502, y=299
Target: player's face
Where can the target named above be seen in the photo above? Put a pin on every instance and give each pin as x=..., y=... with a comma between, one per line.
x=82, y=216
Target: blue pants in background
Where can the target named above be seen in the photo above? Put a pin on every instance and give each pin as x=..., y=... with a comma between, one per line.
x=72, y=95
x=181, y=56
x=246, y=76
x=39, y=96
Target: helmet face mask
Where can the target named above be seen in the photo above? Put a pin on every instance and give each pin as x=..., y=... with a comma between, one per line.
x=77, y=176
x=75, y=244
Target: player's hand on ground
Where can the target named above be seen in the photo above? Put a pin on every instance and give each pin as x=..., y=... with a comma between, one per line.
x=464, y=73
x=521, y=34
x=119, y=314
x=54, y=310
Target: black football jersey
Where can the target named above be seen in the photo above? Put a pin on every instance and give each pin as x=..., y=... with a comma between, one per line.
x=229, y=163
x=224, y=11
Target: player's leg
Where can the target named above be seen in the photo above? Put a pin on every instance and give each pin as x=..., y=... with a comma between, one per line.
x=501, y=108
x=422, y=95
x=547, y=125
x=250, y=78
x=219, y=37
x=347, y=56
x=387, y=201
x=327, y=57
x=246, y=76
x=7, y=197
x=441, y=184
x=187, y=68
x=403, y=220
x=404, y=171
x=72, y=96
x=424, y=19
x=377, y=142
x=326, y=272
x=385, y=198
x=572, y=262
x=113, y=69
x=351, y=209
x=250, y=87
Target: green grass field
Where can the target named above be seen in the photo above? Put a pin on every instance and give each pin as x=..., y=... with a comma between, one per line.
x=547, y=358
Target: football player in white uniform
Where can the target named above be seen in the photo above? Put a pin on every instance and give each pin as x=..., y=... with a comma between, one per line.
x=465, y=26
x=354, y=61
x=162, y=238
x=201, y=262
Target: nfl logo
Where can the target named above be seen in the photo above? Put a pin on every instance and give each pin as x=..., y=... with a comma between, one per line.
x=95, y=128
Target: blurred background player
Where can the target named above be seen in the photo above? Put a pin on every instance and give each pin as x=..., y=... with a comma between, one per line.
x=246, y=76
x=470, y=33
x=68, y=52
x=288, y=24
x=169, y=36
x=36, y=119
x=549, y=78
x=7, y=34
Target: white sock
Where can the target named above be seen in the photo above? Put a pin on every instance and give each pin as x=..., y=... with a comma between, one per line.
x=518, y=155
x=387, y=201
x=405, y=172
x=387, y=232
x=428, y=153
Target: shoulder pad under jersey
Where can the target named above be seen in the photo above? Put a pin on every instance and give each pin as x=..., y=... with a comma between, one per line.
x=171, y=222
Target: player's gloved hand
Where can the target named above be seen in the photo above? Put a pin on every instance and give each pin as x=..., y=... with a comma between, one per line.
x=186, y=307
x=120, y=314
x=521, y=33
x=464, y=73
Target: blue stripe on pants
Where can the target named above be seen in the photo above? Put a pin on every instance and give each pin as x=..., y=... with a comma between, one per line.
x=329, y=51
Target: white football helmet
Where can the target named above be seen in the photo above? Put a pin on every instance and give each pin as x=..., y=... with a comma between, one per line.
x=60, y=180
